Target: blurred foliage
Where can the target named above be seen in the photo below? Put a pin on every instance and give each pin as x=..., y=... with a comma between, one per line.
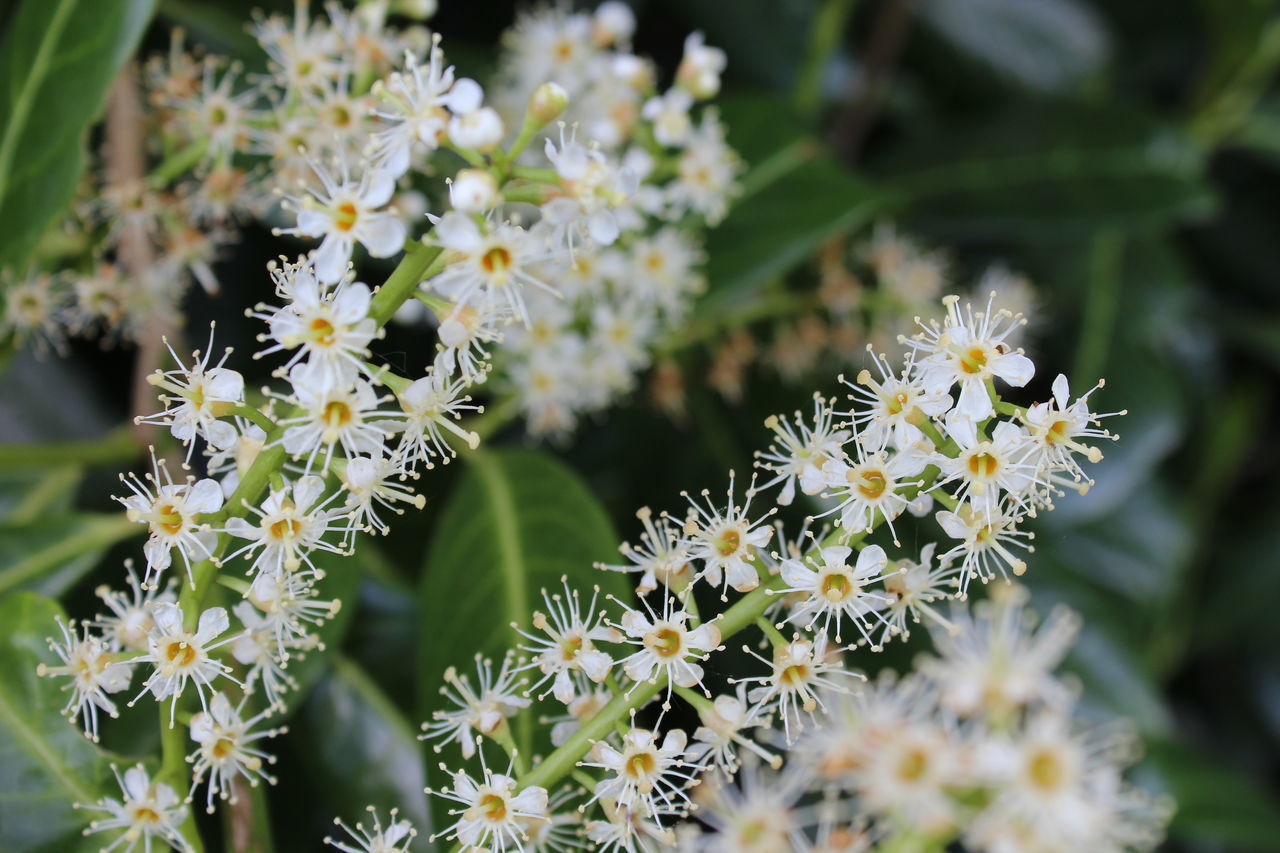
x=1125, y=155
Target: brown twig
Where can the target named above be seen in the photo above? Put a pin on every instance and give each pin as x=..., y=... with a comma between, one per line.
x=126, y=165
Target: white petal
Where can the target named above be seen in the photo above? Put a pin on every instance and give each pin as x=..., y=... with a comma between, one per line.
x=383, y=234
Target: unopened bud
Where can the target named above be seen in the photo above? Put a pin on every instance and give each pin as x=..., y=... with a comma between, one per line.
x=479, y=130
x=546, y=103
x=473, y=191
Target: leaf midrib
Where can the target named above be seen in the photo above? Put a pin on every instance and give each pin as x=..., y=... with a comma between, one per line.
x=22, y=104
x=510, y=556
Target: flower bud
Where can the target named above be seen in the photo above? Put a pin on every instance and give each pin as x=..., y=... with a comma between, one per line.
x=699, y=71
x=480, y=130
x=614, y=22
x=546, y=103
x=473, y=191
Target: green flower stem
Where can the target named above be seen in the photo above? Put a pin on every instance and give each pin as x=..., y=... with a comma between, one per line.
x=116, y=446
x=254, y=416
x=178, y=163
x=560, y=763
x=419, y=263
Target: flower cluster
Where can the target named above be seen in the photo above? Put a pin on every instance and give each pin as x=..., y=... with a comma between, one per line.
x=276, y=488
x=865, y=294
x=980, y=745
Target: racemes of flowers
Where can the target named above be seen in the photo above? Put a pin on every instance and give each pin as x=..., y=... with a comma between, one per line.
x=980, y=745
x=586, y=229
x=235, y=555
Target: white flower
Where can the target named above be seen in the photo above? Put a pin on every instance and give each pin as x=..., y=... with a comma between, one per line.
x=94, y=673
x=667, y=645
x=1061, y=790
x=834, y=591
x=591, y=187
x=892, y=404
x=130, y=620
x=494, y=813
x=798, y=451
x=344, y=211
x=724, y=722
x=661, y=556
x=647, y=777
x=415, y=108
x=203, y=394
x=705, y=173
x=148, y=811
x=759, y=814
x=913, y=589
x=330, y=327
x=984, y=467
x=181, y=656
x=225, y=750
x=465, y=332
x=258, y=648
x=332, y=416
x=968, y=348
x=395, y=837
x=869, y=486
x=490, y=266
x=431, y=405
x=291, y=523
x=367, y=481
x=669, y=114
x=909, y=775
x=986, y=539
x=631, y=829
x=170, y=513
x=291, y=602
x=700, y=67
x=481, y=711
x=479, y=130
x=1057, y=428
x=565, y=650
x=994, y=662
x=726, y=542
x=474, y=191
x=802, y=672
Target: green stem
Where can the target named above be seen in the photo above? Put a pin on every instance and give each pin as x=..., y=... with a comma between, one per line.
x=419, y=263
x=824, y=39
x=116, y=446
x=178, y=163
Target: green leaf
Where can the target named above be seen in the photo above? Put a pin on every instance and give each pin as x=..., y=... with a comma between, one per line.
x=54, y=551
x=56, y=65
x=1048, y=171
x=782, y=225
x=359, y=749
x=1217, y=804
x=1046, y=45
x=46, y=764
x=519, y=521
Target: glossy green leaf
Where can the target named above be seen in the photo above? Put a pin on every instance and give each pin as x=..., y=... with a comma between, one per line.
x=46, y=764
x=1050, y=171
x=1216, y=803
x=359, y=749
x=783, y=224
x=1046, y=45
x=57, y=62
x=519, y=521
x=54, y=551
